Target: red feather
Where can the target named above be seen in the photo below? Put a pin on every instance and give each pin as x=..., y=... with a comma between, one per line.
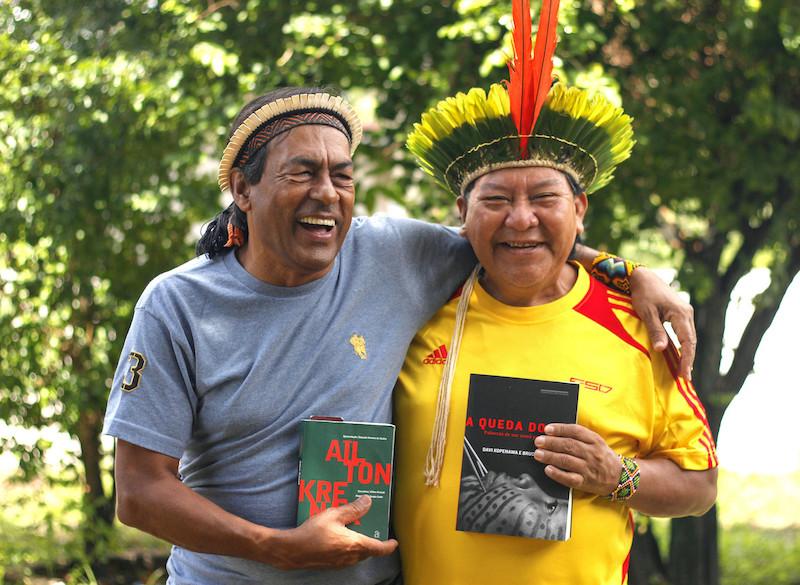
x=530, y=75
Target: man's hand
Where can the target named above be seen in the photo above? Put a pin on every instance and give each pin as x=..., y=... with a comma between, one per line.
x=578, y=458
x=655, y=302
x=324, y=542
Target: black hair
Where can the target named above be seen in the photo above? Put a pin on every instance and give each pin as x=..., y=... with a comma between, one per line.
x=574, y=184
x=214, y=235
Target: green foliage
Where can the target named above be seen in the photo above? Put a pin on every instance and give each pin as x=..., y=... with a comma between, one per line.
x=760, y=557
x=714, y=93
x=36, y=524
x=40, y=534
x=99, y=192
x=751, y=555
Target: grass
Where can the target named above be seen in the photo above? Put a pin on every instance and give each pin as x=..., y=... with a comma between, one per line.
x=759, y=541
x=39, y=524
x=760, y=556
x=760, y=536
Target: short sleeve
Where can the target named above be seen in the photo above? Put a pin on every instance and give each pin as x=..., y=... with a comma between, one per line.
x=431, y=260
x=153, y=400
x=436, y=250
x=681, y=430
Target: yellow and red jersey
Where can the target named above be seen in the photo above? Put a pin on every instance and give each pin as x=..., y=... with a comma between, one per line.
x=630, y=394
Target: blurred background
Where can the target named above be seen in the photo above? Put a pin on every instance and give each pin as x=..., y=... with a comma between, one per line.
x=113, y=114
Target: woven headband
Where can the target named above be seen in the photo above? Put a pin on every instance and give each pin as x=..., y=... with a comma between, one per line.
x=273, y=128
x=281, y=116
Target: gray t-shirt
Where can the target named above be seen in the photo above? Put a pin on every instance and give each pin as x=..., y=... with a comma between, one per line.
x=219, y=368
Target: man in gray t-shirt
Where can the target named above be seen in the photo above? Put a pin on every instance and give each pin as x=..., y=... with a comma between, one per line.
x=292, y=309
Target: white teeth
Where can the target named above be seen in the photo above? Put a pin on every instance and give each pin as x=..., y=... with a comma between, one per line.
x=318, y=221
x=521, y=244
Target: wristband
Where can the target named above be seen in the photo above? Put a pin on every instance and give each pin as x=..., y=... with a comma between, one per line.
x=613, y=271
x=628, y=481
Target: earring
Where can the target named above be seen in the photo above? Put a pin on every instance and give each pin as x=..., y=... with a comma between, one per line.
x=235, y=236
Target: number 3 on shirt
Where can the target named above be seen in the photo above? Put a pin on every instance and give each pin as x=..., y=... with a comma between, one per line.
x=137, y=363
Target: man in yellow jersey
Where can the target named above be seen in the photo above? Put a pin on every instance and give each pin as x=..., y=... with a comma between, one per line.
x=641, y=441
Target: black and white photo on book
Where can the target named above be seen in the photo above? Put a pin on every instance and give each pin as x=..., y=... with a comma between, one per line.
x=504, y=490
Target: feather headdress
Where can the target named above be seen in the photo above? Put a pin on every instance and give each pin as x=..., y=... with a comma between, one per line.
x=526, y=122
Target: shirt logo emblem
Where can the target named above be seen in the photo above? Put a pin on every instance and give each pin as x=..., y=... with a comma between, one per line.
x=437, y=356
x=359, y=345
x=596, y=386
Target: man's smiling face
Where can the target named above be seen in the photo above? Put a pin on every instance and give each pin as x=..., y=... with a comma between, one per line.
x=299, y=213
x=522, y=223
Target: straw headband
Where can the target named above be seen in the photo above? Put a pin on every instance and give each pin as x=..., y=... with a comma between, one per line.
x=273, y=128
x=282, y=115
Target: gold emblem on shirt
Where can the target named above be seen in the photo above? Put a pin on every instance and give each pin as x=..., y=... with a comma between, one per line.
x=359, y=345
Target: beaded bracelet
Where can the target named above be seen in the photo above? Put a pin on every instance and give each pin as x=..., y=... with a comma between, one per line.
x=613, y=271
x=628, y=481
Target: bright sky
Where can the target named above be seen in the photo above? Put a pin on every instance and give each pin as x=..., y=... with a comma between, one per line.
x=760, y=431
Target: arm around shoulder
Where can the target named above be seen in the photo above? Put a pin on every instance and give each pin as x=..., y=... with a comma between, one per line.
x=653, y=300
x=150, y=497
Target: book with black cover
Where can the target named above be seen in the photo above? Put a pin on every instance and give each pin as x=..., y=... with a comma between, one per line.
x=341, y=460
x=504, y=490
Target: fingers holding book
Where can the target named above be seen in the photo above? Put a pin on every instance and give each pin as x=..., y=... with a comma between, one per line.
x=324, y=541
x=579, y=458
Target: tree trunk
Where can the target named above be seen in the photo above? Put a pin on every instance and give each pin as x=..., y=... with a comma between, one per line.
x=647, y=567
x=694, y=550
x=98, y=509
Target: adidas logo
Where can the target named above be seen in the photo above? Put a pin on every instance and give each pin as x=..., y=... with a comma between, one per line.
x=437, y=356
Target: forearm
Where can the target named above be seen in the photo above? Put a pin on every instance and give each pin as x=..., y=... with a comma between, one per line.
x=168, y=509
x=667, y=490
x=654, y=302
x=150, y=497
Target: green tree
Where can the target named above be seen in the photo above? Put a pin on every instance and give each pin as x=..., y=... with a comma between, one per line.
x=714, y=87
x=101, y=184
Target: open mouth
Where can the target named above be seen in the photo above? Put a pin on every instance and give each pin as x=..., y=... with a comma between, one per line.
x=317, y=224
x=521, y=245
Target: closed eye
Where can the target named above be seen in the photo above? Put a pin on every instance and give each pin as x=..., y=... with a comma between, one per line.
x=495, y=198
